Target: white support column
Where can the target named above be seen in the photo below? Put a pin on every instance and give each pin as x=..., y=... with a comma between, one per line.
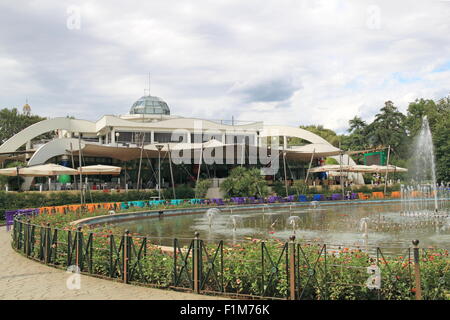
x=285, y=142
x=113, y=136
x=152, y=136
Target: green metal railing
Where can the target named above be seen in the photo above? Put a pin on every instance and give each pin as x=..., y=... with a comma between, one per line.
x=259, y=269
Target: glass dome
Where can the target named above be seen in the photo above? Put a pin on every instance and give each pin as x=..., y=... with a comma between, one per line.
x=150, y=105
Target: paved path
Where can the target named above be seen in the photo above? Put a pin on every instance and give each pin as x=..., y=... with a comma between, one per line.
x=21, y=278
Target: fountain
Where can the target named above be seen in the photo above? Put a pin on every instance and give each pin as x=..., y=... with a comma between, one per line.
x=235, y=219
x=294, y=221
x=422, y=197
x=363, y=226
x=210, y=215
x=314, y=204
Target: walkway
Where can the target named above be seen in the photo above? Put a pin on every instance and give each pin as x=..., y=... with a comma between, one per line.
x=22, y=278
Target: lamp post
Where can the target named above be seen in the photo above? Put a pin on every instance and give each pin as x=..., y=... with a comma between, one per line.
x=159, y=147
x=117, y=139
x=18, y=179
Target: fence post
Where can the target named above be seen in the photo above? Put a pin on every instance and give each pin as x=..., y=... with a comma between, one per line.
x=79, y=248
x=47, y=243
x=25, y=239
x=195, y=257
x=19, y=242
x=417, y=270
x=29, y=239
x=126, y=255
x=111, y=239
x=15, y=234
x=292, y=279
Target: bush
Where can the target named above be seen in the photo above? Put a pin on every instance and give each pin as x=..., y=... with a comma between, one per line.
x=243, y=182
x=182, y=192
x=280, y=189
x=202, y=187
x=22, y=200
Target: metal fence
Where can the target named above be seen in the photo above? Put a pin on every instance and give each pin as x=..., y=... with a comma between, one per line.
x=254, y=269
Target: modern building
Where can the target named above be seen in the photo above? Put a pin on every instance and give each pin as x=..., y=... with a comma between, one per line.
x=150, y=132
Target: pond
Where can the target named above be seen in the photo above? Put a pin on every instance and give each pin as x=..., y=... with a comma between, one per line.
x=378, y=224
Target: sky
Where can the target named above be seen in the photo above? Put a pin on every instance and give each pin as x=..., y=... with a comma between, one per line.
x=283, y=62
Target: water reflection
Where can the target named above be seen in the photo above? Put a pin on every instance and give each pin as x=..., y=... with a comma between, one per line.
x=361, y=225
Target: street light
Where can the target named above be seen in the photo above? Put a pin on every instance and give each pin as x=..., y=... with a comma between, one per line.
x=117, y=139
x=18, y=178
x=159, y=147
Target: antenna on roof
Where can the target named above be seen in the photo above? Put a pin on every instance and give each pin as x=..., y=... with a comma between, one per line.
x=145, y=90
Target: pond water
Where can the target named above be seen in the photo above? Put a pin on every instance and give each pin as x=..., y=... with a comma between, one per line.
x=382, y=225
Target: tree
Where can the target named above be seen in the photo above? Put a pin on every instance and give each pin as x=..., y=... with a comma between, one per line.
x=12, y=181
x=416, y=111
x=243, y=182
x=201, y=188
x=12, y=122
x=441, y=140
x=357, y=138
x=327, y=134
x=388, y=128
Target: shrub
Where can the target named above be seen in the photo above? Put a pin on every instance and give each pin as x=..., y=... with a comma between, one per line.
x=202, y=187
x=182, y=192
x=243, y=182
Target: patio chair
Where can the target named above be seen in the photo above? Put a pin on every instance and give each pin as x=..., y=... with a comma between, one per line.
x=290, y=198
x=362, y=196
x=395, y=194
x=336, y=196
x=318, y=197
x=377, y=195
x=139, y=204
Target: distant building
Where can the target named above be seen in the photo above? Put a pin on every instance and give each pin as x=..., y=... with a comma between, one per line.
x=118, y=140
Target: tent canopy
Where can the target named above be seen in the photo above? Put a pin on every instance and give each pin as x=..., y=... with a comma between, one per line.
x=99, y=169
x=317, y=150
x=330, y=167
x=359, y=168
x=44, y=170
x=11, y=172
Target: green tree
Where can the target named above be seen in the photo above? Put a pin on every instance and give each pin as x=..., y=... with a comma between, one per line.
x=416, y=111
x=12, y=122
x=201, y=188
x=388, y=128
x=12, y=181
x=357, y=138
x=441, y=140
x=243, y=182
x=327, y=134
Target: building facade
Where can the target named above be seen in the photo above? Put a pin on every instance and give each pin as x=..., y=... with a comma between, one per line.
x=150, y=124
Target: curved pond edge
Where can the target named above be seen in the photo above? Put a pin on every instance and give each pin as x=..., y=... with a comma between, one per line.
x=122, y=217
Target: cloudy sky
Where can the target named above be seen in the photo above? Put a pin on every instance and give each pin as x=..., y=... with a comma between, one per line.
x=287, y=62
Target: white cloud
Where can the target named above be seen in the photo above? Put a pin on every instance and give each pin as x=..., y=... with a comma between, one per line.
x=286, y=62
